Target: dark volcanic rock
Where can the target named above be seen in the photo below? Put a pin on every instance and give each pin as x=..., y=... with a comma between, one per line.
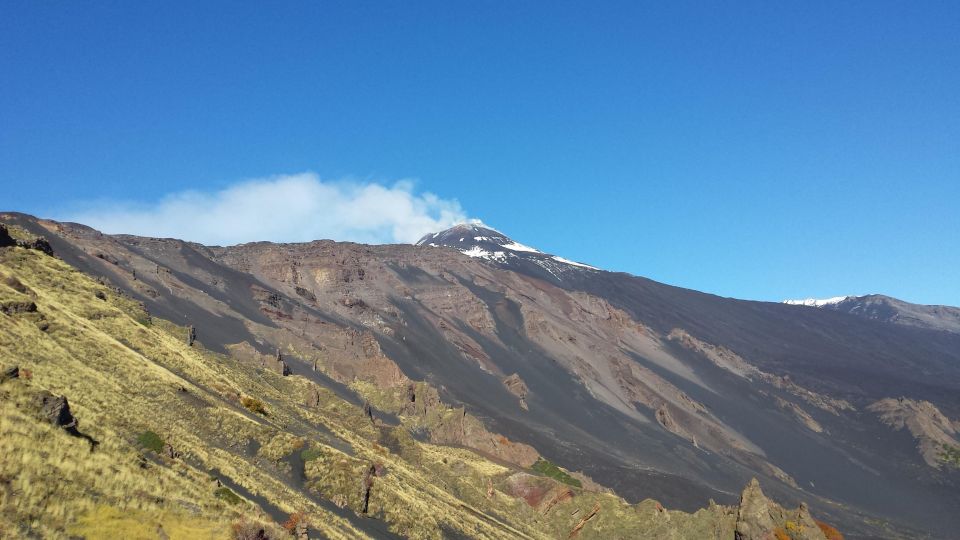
x=13, y=308
x=40, y=244
x=9, y=373
x=5, y=239
x=366, y=484
x=56, y=410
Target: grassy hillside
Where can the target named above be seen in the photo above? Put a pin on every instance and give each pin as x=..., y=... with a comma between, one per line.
x=178, y=441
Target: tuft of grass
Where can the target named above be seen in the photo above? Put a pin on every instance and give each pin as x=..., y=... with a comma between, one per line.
x=254, y=405
x=227, y=494
x=549, y=469
x=150, y=441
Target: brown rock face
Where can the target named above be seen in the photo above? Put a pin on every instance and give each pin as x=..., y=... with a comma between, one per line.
x=759, y=518
x=517, y=387
x=754, y=518
x=930, y=427
x=532, y=489
x=459, y=428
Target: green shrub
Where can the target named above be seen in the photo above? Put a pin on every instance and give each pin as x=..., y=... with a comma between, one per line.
x=950, y=455
x=150, y=441
x=310, y=454
x=547, y=468
x=226, y=494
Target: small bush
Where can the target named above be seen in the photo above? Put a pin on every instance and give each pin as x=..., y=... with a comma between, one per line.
x=254, y=405
x=310, y=454
x=226, y=494
x=150, y=441
x=830, y=532
x=547, y=468
x=248, y=530
x=295, y=519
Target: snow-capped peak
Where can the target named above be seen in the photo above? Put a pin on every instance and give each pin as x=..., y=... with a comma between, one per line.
x=818, y=302
x=477, y=240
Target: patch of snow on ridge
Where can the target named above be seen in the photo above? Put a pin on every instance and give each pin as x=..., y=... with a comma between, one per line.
x=515, y=246
x=574, y=263
x=479, y=253
x=816, y=302
x=476, y=251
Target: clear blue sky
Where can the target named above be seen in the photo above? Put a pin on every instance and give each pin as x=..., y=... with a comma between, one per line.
x=761, y=150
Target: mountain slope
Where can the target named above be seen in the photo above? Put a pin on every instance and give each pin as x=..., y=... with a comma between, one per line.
x=652, y=390
x=891, y=310
x=159, y=437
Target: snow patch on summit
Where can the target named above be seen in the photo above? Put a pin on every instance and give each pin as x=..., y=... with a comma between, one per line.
x=817, y=302
x=480, y=241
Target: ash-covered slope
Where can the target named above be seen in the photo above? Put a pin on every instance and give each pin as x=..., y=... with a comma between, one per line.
x=887, y=309
x=651, y=390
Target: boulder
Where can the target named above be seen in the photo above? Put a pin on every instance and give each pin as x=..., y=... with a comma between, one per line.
x=56, y=410
x=5, y=239
x=311, y=396
x=39, y=244
x=9, y=373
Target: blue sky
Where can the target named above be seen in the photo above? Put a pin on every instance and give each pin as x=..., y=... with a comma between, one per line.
x=760, y=150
